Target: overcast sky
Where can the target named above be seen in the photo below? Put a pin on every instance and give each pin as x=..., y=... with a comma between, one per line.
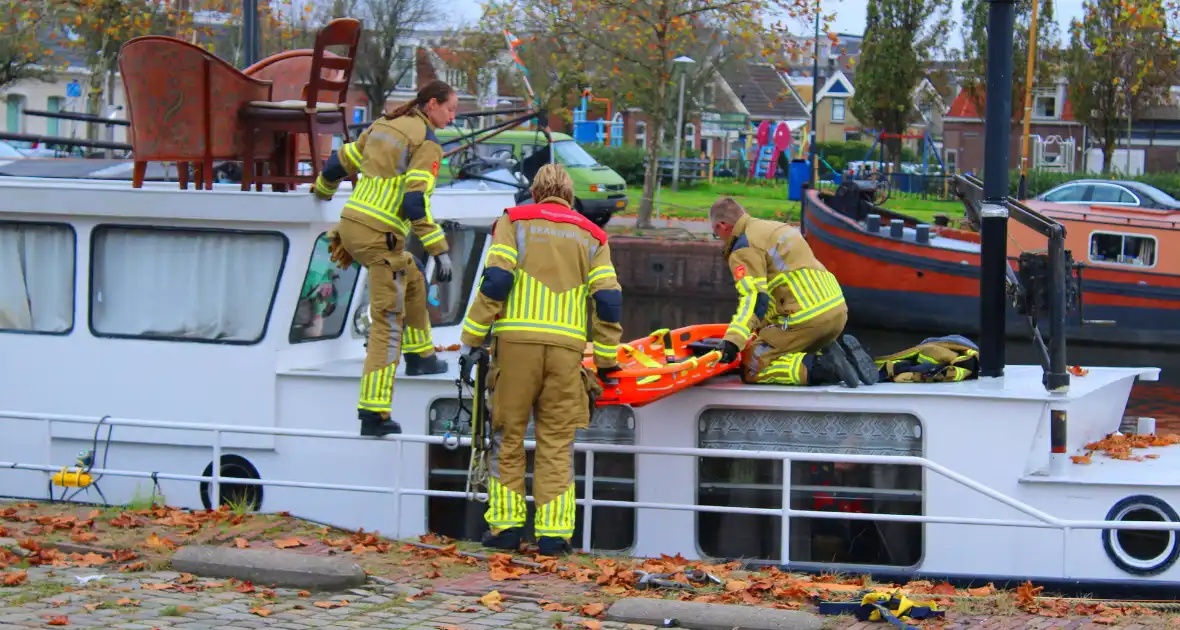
x=850, y=14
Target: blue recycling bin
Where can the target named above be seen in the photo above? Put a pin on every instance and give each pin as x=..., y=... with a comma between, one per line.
x=796, y=177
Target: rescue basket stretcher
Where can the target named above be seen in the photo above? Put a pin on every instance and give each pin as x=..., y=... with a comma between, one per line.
x=663, y=363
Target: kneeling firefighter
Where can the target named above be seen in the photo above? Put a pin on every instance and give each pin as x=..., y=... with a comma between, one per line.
x=544, y=261
x=397, y=158
x=791, y=301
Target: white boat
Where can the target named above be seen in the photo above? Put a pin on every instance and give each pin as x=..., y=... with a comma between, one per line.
x=168, y=315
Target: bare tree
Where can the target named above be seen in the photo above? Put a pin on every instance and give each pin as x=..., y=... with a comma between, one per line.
x=388, y=24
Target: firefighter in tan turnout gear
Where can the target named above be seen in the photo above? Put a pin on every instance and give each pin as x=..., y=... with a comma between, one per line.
x=545, y=260
x=793, y=304
x=397, y=158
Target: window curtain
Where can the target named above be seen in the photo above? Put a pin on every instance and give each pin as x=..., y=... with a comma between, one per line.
x=36, y=277
x=184, y=284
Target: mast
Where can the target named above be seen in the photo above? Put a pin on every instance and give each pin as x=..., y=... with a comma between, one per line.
x=1022, y=191
x=249, y=32
x=993, y=211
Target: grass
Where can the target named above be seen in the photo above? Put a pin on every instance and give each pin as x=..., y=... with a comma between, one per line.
x=770, y=202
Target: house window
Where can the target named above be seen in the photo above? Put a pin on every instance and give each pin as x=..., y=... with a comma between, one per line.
x=200, y=285
x=837, y=110
x=1123, y=249
x=952, y=161
x=456, y=79
x=1045, y=103
x=325, y=297
x=37, y=277
x=447, y=303
x=690, y=138
x=404, y=68
x=641, y=134
x=14, y=114
x=53, y=125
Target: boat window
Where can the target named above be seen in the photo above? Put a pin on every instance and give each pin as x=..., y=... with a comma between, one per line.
x=171, y=284
x=37, y=264
x=1112, y=194
x=324, y=298
x=447, y=303
x=815, y=486
x=1067, y=194
x=1127, y=249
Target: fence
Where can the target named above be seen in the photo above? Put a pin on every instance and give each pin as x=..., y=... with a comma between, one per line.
x=1042, y=520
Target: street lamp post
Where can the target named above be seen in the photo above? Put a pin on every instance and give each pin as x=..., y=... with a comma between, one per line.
x=681, y=63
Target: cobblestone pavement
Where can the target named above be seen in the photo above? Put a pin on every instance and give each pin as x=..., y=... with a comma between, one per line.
x=159, y=600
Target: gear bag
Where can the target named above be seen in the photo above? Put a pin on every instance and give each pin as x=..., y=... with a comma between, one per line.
x=936, y=360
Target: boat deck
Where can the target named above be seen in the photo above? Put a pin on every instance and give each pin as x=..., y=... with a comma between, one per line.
x=910, y=235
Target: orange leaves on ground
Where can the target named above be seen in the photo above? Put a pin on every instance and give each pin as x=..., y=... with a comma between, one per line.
x=260, y=611
x=61, y=620
x=1026, y=596
x=1084, y=460
x=1077, y=370
x=1119, y=446
x=359, y=543
x=245, y=587
x=420, y=594
x=88, y=559
x=155, y=542
x=593, y=610
x=492, y=601
x=330, y=605
x=241, y=543
x=83, y=536
x=305, y=593
x=158, y=587
x=288, y=543
x=127, y=601
x=14, y=578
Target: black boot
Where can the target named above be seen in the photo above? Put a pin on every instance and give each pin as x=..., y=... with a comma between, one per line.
x=830, y=366
x=507, y=540
x=861, y=360
x=416, y=365
x=552, y=546
x=374, y=424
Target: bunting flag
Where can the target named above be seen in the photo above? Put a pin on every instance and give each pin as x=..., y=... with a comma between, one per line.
x=513, y=42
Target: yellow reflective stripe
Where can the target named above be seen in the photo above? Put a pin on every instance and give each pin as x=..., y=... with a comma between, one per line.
x=475, y=328
x=505, y=508
x=503, y=251
x=377, y=197
x=556, y=518
x=352, y=156
x=817, y=292
x=324, y=187
x=601, y=273
x=416, y=340
x=534, y=307
x=377, y=389
x=748, y=290
x=421, y=176
x=433, y=237
x=604, y=350
x=785, y=370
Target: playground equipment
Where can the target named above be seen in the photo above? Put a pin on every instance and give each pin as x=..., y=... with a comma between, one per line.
x=771, y=140
x=1062, y=160
x=606, y=131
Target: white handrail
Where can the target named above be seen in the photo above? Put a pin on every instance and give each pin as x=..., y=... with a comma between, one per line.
x=1043, y=520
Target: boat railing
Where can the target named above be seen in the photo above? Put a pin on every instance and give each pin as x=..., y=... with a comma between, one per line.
x=1039, y=519
x=1046, y=285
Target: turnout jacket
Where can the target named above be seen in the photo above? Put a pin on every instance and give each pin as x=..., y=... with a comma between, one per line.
x=778, y=279
x=398, y=164
x=545, y=262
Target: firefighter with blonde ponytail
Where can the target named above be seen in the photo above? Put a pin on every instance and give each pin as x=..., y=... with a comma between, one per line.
x=397, y=159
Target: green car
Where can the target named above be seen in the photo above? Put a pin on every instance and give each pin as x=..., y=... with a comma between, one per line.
x=599, y=190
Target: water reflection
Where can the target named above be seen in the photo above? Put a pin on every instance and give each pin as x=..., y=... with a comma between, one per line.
x=1161, y=400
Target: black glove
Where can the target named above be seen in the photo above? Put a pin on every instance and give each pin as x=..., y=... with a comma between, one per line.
x=467, y=358
x=442, y=268
x=729, y=352
x=604, y=374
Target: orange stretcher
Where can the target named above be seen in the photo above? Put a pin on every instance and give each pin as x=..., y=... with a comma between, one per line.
x=662, y=364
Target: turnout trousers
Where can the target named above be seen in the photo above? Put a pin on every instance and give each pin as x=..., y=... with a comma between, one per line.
x=388, y=276
x=782, y=355
x=548, y=383
x=417, y=339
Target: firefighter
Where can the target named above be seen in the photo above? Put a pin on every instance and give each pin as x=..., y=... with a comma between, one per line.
x=545, y=260
x=793, y=304
x=398, y=158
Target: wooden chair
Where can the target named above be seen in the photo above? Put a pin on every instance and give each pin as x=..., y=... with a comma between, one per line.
x=321, y=108
x=182, y=103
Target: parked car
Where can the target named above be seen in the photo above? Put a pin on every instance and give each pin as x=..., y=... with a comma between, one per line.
x=1110, y=192
x=9, y=152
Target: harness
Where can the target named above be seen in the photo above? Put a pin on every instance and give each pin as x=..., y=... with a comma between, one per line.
x=480, y=421
x=893, y=608
x=935, y=360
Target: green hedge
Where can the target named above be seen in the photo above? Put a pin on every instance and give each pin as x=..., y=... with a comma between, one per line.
x=627, y=161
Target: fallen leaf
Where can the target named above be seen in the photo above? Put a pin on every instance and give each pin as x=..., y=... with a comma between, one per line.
x=1085, y=460
x=245, y=587
x=15, y=578
x=92, y=607
x=288, y=543
x=88, y=560
x=58, y=621
x=593, y=610
x=734, y=586
x=242, y=543
x=157, y=587
x=557, y=607
x=156, y=542
x=136, y=566
x=493, y=600
x=1106, y=621
x=945, y=588
x=982, y=591
x=304, y=593
x=448, y=628
x=331, y=604
x=591, y=625
x=83, y=537
x=126, y=601
x=185, y=578
x=260, y=611
x=94, y=514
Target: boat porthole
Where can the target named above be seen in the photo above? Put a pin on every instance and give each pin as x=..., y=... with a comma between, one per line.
x=234, y=494
x=1141, y=552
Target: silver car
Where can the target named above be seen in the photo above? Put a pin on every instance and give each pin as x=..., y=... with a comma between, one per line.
x=1109, y=192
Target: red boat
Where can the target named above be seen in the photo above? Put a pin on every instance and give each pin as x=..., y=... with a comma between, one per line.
x=899, y=273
